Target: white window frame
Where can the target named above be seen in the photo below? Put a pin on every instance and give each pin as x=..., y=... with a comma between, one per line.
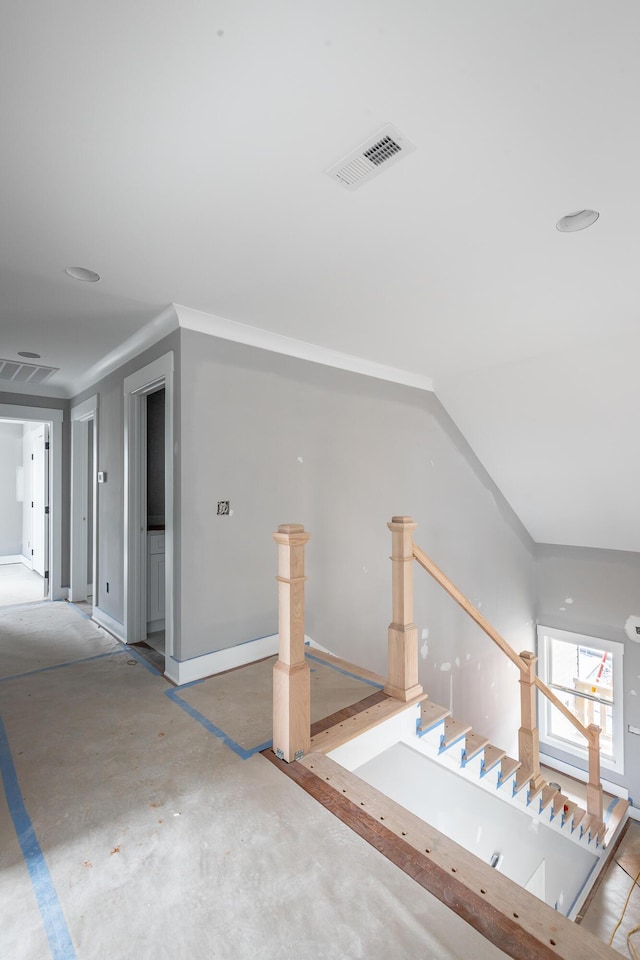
x=616, y=650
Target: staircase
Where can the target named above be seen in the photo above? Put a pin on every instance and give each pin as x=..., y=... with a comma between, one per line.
x=514, y=919
x=455, y=745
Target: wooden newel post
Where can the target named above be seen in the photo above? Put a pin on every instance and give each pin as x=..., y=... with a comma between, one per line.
x=528, y=736
x=291, y=674
x=403, y=633
x=595, y=804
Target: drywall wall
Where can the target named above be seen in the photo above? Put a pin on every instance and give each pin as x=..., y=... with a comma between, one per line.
x=10, y=506
x=285, y=440
x=596, y=592
x=110, y=506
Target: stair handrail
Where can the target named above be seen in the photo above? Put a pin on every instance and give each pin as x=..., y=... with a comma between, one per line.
x=427, y=564
x=404, y=550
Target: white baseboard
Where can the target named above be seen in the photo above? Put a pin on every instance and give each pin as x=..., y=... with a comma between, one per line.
x=26, y=561
x=186, y=671
x=316, y=646
x=110, y=624
x=17, y=558
x=154, y=625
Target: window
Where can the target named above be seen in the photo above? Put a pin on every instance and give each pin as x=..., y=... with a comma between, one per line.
x=586, y=674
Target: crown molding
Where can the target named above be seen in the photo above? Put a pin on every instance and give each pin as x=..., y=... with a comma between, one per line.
x=166, y=322
x=200, y=322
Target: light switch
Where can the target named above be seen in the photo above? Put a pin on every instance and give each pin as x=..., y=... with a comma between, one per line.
x=102, y=476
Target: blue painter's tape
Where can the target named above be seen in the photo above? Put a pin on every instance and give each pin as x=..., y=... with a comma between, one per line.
x=145, y=663
x=228, y=741
x=85, y=616
x=609, y=809
x=60, y=666
x=53, y=919
x=345, y=673
x=579, y=893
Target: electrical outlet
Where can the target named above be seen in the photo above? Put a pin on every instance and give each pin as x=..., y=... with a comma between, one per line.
x=223, y=508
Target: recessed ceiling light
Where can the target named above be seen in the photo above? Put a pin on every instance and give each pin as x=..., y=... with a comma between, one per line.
x=81, y=273
x=29, y=355
x=579, y=220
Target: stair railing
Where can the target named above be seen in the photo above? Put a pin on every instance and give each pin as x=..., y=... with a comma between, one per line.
x=403, y=662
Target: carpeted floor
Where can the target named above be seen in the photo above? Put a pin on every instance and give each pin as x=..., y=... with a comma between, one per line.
x=131, y=828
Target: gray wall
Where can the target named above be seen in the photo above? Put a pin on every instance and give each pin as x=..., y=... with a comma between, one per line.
x=10, y=507
x=290, y=441
x=605, y=588
x=110, y=525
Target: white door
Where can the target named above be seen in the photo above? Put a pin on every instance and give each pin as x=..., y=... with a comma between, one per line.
x=38, y=477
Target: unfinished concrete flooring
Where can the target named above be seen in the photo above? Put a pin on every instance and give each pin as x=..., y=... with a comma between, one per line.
x=132, y=826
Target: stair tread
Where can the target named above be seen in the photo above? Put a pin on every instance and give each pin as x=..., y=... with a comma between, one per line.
x=558, y=803
x=537, y=791
x=548, y=793
x=492, y=756
x=431, y=713
x=523, y=776
x=508, y=766
x=474, y=743
x=578, y=815
x=586, y=823
x=616, y=816
x=453, y=730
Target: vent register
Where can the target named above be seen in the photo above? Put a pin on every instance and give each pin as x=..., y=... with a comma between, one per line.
x=373, y=156
x=15, y=371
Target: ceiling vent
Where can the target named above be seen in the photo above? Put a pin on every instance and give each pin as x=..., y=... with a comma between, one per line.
x=373, y=156
x=14, y=371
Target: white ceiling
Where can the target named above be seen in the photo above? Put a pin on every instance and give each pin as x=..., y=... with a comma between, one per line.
x=179, y=149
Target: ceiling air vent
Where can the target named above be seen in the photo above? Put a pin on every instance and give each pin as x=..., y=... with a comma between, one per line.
x=15, y=371
x=373, y=156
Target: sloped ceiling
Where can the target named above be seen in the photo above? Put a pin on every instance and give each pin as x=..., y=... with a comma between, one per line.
x=179, y=149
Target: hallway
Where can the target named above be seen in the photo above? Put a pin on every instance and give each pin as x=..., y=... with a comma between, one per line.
x=138, y=819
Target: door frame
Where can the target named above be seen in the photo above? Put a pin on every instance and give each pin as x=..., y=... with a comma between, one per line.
x=53, y=419
x=81, y=415
x=152, y=377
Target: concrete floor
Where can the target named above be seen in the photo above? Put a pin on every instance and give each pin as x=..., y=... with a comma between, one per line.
x=18, y=584
x=138, y=820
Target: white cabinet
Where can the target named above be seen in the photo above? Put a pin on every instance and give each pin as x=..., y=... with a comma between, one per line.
x=155, y=580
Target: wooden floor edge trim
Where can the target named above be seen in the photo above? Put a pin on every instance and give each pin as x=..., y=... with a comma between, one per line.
x=363, y=721
x=492, y=923
x=319, y=726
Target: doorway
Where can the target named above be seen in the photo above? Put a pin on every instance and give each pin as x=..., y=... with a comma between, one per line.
x=83, y=588
x=148, y=549
x=30, y=504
